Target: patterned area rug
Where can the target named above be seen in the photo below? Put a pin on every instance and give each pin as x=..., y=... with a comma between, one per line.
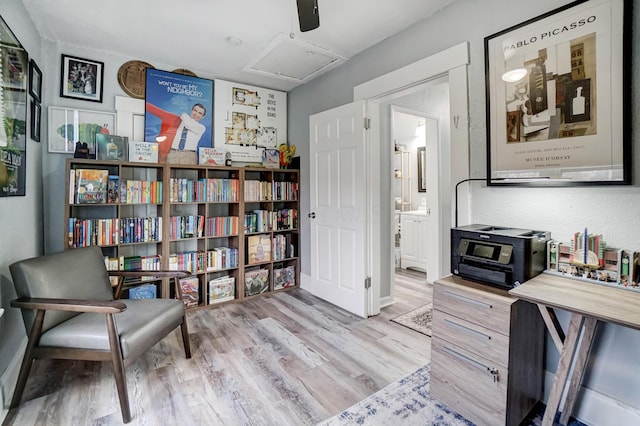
x=407, y=402
x=419, y=319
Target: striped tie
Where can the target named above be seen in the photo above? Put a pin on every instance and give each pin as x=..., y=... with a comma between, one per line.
x=183, y=139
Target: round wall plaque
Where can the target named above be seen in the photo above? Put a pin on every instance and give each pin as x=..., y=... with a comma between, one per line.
x=184, y=72
x=132, y=77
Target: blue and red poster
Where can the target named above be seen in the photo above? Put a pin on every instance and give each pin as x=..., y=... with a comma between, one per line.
x=178, y=112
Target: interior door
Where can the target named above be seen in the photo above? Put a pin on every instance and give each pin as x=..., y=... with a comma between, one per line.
x=338, y=206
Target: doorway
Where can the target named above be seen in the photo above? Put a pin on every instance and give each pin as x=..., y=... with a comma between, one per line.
x=448, y=71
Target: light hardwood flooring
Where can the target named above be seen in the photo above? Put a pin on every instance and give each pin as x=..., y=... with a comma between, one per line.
x=283, y=359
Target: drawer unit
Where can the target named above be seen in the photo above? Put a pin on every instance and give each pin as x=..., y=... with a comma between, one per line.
x=486, y=352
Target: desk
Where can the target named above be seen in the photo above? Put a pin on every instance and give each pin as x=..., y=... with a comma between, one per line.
x=588, y=303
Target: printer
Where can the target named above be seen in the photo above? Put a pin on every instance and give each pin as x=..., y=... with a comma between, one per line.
x=500, y=256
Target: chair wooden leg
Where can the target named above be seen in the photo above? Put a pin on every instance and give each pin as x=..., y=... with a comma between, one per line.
x=118, y=369
x=27, y=361
x=185, y=338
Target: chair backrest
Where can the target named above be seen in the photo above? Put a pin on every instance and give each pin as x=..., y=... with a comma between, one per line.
x=73, y=274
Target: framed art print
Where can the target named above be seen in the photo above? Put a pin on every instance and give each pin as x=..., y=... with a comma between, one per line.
x=81, y=79
x=14, y=70
x=558, y=97
x=36, y=115
x=68, y=126
x=35, y=81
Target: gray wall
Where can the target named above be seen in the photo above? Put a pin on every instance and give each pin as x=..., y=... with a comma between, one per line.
x=611, y=211
x=21, y=218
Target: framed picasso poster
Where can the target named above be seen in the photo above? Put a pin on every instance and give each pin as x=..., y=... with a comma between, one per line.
x=558, y=97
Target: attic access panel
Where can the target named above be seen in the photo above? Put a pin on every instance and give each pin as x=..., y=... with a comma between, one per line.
x=293, y=59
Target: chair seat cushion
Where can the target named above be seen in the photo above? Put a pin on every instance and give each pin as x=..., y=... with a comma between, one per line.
x=141, y=326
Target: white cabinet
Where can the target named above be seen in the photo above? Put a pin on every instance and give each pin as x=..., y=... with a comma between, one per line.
x=413, y=240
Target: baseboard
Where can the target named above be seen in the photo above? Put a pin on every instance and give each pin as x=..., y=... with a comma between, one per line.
x=8, y=380
x=386, y=301
x=595, y=408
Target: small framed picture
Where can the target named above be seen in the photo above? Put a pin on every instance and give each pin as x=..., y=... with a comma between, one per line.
x=36, y=114
x=68, y=126
x=35, y=81
x=81, y=79
x=111, y=147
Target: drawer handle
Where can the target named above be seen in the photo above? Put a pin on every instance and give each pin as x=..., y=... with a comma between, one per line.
x=467, y=329
x=495, y=374
x=468, y=300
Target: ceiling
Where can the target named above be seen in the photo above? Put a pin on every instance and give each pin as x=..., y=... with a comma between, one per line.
x=253, y=41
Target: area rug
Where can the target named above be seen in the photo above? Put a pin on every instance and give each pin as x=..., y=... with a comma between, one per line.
x=407, y=402
x=419, y=319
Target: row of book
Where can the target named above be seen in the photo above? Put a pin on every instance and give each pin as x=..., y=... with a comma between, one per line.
x=283, y=247
x=266, y=191
x=133, y=263
x=183, y=190
x=219, y=258
x=113, y=231
x=260, y=248
x=221, y=226
x=285, y=191
x=265, y=220
x=186, y=227
x=96, y=186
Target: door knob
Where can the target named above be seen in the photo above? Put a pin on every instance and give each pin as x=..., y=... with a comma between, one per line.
x=312, y=215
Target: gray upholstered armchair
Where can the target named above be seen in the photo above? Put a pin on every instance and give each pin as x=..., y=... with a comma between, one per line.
x=69, y=311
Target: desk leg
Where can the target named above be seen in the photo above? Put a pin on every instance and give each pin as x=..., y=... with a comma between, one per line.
x=564, y=365
x=580, y=363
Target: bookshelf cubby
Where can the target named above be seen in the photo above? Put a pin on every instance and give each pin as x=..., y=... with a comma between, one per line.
x=190, y=217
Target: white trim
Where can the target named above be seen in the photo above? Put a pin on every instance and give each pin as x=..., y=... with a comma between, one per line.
x=436, y=64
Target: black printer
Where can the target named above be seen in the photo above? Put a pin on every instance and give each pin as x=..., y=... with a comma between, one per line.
x=500, y=256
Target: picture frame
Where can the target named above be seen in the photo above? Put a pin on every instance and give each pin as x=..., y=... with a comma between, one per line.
x=14, y=63
x=36, y=116
x=35, y=81
x=68, y=126
x=565, y=121
x=81, y=78
x=422, y=172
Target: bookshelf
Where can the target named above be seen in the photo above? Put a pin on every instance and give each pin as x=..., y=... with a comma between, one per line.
x=189, y=217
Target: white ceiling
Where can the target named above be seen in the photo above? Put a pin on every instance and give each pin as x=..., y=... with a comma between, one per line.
x=193, y=34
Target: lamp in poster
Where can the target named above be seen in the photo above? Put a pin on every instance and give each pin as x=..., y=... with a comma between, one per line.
x=249, y=120
x=178, y=114
x=14, y=66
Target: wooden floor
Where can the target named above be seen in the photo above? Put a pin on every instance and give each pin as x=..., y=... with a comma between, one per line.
x=283, y=359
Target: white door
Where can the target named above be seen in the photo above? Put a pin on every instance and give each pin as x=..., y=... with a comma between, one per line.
x=338, y=206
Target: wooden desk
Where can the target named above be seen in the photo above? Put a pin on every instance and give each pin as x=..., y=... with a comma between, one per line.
x=588, y=303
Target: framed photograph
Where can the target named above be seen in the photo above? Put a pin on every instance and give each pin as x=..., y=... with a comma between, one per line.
x=36, y=114
x=68, y=126
x=14, y=66
x=35, y=81
x=111, y=147
x=558, y=97
x=81, y=79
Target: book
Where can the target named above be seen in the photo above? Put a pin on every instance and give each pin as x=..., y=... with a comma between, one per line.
x=284, y=277
x=72, y=185
x=91, y=187
x=145, y=291
x=113, y=189
x=211, y=156
x=256, y=282
x=190, y=290
x=143, y=152
x=259, y=249
x=222, y=289
x=271, y=158
x=111, y=147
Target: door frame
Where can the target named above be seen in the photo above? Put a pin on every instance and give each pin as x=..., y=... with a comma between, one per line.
x=451, y=63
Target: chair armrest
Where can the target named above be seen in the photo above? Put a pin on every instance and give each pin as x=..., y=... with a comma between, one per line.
x=159, y=274
x=71, y=305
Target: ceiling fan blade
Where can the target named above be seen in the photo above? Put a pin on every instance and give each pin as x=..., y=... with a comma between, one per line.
x=308, y=15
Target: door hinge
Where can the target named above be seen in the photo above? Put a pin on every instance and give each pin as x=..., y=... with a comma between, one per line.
x=367, y=123
x=367, y=283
